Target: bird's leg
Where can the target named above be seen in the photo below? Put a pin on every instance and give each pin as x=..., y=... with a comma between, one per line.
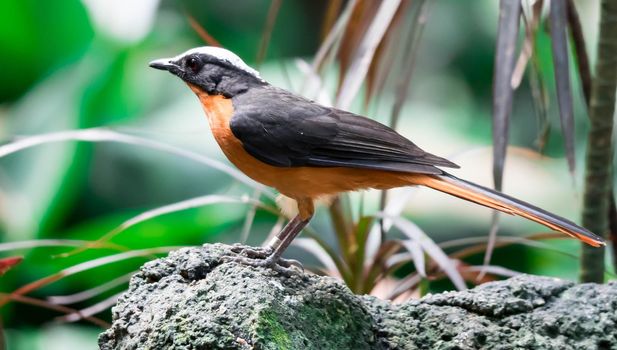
x=271, y=255
x=264, y=252
x=281, y=241
x=280, y=237
x=281, y=246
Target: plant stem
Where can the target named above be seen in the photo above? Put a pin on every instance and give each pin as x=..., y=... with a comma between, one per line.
x=343, y=227
x=599, y=145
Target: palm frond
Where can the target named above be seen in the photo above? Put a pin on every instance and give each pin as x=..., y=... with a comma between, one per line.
x=558, y=20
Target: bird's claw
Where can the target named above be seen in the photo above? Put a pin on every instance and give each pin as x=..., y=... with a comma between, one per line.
x=252, y=252
x=264, y=257
x=291, y=262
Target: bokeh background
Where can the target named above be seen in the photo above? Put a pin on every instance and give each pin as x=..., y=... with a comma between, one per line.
x=70, y=64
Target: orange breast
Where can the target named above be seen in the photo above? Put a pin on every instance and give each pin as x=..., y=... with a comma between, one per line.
x=296, y=182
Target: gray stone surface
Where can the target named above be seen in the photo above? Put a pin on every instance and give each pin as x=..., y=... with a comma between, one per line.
x=193, y=299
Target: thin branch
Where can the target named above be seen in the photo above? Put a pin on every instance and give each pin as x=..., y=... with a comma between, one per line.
x=202, y=32
x=90, y=293
x=273, y=12
x=90, y=310
x=600, y=153
x=32, y=286
x=55, y=243
x=167, y=209
x=44, y=304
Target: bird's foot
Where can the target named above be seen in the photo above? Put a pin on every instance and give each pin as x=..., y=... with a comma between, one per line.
x=264, y=257
x=252, y=252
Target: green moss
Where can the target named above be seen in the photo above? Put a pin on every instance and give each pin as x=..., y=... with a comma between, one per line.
x=272, y=331
x=336, y=325
x=313, y=326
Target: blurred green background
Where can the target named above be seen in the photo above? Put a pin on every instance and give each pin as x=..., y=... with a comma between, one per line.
x=69, y=64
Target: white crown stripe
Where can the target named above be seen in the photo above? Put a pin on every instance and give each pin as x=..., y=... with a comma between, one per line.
x=223, y=55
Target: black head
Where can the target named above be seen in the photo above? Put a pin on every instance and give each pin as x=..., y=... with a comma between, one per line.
x=212, y=69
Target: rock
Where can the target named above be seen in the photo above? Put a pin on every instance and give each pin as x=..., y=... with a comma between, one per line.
x=194, y=299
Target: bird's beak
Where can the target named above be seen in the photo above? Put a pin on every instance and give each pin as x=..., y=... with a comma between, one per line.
x=165, y=64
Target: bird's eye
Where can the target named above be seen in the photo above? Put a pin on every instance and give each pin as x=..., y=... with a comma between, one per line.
x=194, y=64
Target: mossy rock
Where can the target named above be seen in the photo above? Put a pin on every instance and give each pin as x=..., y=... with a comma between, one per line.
x=196, y=299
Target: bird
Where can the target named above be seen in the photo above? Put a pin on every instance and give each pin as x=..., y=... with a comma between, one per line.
x=306, y=150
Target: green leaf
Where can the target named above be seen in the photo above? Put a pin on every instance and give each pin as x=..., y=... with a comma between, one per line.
x=36, y=36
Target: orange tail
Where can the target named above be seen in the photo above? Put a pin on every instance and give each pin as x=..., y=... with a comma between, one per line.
x=484, y=196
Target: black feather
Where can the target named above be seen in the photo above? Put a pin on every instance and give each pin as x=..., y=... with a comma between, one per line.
x=286, y=130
